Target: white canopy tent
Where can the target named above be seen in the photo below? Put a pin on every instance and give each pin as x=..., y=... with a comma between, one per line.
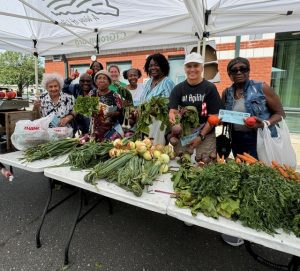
x=56, y=27
x=51, y=27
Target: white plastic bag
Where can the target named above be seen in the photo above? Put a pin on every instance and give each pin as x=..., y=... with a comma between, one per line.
x=155, y=132
x=29, y=133
x=58, y=133
x=277, y=148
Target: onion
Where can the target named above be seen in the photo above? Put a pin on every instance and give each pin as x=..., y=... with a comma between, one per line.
x=164, y=158
x=156, y=154
x=147, y=156
x=139, y=143
x=164, y=168
x=141, y=149
x=130, y=145
x=148, y=142
x=159, y=147
x=117, y=143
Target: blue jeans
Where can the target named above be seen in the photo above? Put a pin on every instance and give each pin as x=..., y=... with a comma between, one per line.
x=244, y=142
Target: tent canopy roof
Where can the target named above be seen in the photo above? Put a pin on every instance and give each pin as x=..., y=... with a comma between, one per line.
x=51, y=27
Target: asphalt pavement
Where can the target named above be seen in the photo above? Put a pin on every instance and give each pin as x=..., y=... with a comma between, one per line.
x=131, y=239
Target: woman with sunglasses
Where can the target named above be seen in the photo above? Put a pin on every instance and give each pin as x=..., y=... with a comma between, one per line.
x=256, y=98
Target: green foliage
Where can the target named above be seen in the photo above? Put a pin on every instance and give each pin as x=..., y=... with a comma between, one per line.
x=18, y=69
x=189, y=119
x=257, y=195
x=87, y=105
x=156, y=108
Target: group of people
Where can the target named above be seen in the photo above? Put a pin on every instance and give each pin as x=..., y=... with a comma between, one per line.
x=244, y=95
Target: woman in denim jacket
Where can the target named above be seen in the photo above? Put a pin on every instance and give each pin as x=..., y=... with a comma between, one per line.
x=254, y=97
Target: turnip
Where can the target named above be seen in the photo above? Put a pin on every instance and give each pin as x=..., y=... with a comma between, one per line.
x=174, y=141
x=176, y=130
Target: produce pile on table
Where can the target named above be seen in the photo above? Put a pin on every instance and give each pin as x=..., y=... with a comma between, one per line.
x=132, y=165
x=257, y=195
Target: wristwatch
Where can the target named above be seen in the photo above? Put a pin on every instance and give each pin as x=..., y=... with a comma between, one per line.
x=202, y=137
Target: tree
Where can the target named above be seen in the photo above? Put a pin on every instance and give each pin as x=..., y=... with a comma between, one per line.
x=18, y=69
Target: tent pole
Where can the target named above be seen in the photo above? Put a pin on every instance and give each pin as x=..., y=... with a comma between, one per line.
x=36, y=75
x=203, y=53
x=237, y=46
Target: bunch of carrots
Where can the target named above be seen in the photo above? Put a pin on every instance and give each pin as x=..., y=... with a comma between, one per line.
x=285, y=170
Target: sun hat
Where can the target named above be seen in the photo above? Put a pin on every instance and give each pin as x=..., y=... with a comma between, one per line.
x=104, y=72
x=193, y=57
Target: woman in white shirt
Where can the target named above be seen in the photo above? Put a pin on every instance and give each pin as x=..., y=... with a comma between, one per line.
x=136, y=89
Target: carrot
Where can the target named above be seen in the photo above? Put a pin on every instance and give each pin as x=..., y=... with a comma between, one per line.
x=283, y=172
x=222, y=159
x=250, y=156
x=238, y=160
x=246, y=159
x=275, y=163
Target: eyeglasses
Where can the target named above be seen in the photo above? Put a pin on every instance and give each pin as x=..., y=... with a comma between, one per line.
x=241, y=69
x=85, y=81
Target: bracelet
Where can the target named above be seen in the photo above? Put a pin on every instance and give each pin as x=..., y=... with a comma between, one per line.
x=267, y=122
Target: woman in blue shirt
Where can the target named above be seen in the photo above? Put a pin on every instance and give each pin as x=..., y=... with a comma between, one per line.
x=159, y=84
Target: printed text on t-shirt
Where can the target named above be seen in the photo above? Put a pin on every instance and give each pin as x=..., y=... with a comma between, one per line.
x=193, y=98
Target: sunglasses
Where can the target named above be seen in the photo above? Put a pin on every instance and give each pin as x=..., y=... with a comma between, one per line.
x=85, y=81
x=236, y=70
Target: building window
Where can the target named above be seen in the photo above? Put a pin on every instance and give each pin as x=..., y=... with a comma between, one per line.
x=286, y=76
x=123, y=66
x=256, y=37
x=81, y=68
x=176, y=68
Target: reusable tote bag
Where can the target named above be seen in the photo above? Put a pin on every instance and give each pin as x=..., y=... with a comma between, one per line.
x=277, y=148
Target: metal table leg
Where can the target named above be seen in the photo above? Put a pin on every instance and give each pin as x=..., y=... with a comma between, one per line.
x=78, y=218
x=48, y=210
x=292, y=265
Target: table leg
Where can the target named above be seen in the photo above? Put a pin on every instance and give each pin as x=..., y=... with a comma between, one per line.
x=48, y=210
x=66, y=261
x=78, y=218
x=292, y=266
x=37, y=237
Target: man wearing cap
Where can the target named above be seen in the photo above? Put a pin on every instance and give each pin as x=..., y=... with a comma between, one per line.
x=198, y=92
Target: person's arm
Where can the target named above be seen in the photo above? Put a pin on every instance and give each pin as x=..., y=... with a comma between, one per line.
x=174, y=102
x=274, y=104
x=214, y=104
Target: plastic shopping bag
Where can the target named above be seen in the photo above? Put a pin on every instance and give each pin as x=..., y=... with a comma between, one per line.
x=155, y=132
x=29, y=133
x=277, y=148
x=58, y=133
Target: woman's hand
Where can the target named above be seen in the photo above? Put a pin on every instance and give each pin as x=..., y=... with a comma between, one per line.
x=65, y=120
x=258, y=124
x=36, y=104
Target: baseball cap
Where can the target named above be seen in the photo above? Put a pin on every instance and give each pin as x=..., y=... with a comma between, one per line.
x=193, y=57
x=104, y=72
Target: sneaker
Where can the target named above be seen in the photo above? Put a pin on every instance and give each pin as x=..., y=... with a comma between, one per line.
x=231, y=240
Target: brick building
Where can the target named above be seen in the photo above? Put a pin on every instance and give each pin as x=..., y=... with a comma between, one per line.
x=274, y=59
